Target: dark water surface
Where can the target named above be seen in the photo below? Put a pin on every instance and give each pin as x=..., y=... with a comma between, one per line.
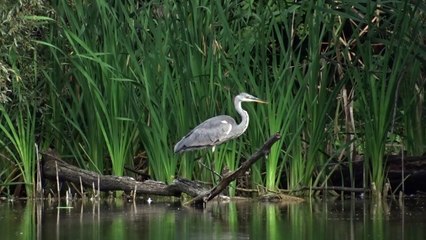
x=337, y=219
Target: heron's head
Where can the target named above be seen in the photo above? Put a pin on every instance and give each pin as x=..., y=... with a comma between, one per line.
x=245, y=97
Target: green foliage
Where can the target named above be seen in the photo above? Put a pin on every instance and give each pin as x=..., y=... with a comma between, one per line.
x=21, y=101
x=106, y=94
x=378, y=81
x=124, y=77
x=20, y=142
x=18, y=51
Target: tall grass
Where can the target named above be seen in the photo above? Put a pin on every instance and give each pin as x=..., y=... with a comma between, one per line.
x=378, y=79
x=412, y=105
x=8, y=176
x=149, y=64
x=101, y=91
x=248, y=59
x=202, y=84
x=127, y=76
x=293, y=75
x=179, y=78
x=20, y=142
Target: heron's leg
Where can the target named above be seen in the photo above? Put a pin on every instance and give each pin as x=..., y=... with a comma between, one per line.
x=208, y=168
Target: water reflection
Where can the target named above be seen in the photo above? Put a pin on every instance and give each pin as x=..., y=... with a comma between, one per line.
x=356, y=219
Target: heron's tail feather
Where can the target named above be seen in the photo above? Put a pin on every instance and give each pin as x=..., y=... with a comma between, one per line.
x=178, y=147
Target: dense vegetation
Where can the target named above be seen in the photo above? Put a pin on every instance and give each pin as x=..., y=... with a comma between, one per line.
x=109, y=84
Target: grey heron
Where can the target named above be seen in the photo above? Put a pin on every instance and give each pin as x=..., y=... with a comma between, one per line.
x=219, y=129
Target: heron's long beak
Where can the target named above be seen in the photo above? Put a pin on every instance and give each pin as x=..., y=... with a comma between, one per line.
x=260, y=101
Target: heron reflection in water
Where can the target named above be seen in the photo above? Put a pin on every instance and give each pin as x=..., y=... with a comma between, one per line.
x=219, y=129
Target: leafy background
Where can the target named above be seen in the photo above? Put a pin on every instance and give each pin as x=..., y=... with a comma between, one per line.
x=114, y=84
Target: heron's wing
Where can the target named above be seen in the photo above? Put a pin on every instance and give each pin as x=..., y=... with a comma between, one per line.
x=211, y=132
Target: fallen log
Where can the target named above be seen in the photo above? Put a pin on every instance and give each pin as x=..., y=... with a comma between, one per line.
x=406, y=173
x=54, y=167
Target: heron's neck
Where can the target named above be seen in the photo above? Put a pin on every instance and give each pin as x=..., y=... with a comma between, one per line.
x=244, y=117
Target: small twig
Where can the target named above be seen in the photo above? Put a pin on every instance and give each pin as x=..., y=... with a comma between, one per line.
x=331, y=188
x=39, y=189
x=94, y=191
x=68, y=196
x=386, y=189
x=402, y=170
x=57, y=181
x=81, y=187
x=247, y=190
x=98, y=195
x=395, y=103
x=401, y=184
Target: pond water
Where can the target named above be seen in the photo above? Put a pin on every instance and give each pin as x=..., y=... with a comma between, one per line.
x=117, y=219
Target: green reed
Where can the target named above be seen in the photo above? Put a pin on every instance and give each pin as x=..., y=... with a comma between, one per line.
x=129, y=77
x=19, y=142
x=412, y=88
x=377, y=84
x=103, y=93
x=149, y=66
x=74, y=116
x=226, y=159
x=8, y=176
x=296, y=84
x=72, y=104
x=201, y=83
x=412, y=118
x=247, y=69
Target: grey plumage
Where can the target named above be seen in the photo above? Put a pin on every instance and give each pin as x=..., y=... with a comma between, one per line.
x=219, y=129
